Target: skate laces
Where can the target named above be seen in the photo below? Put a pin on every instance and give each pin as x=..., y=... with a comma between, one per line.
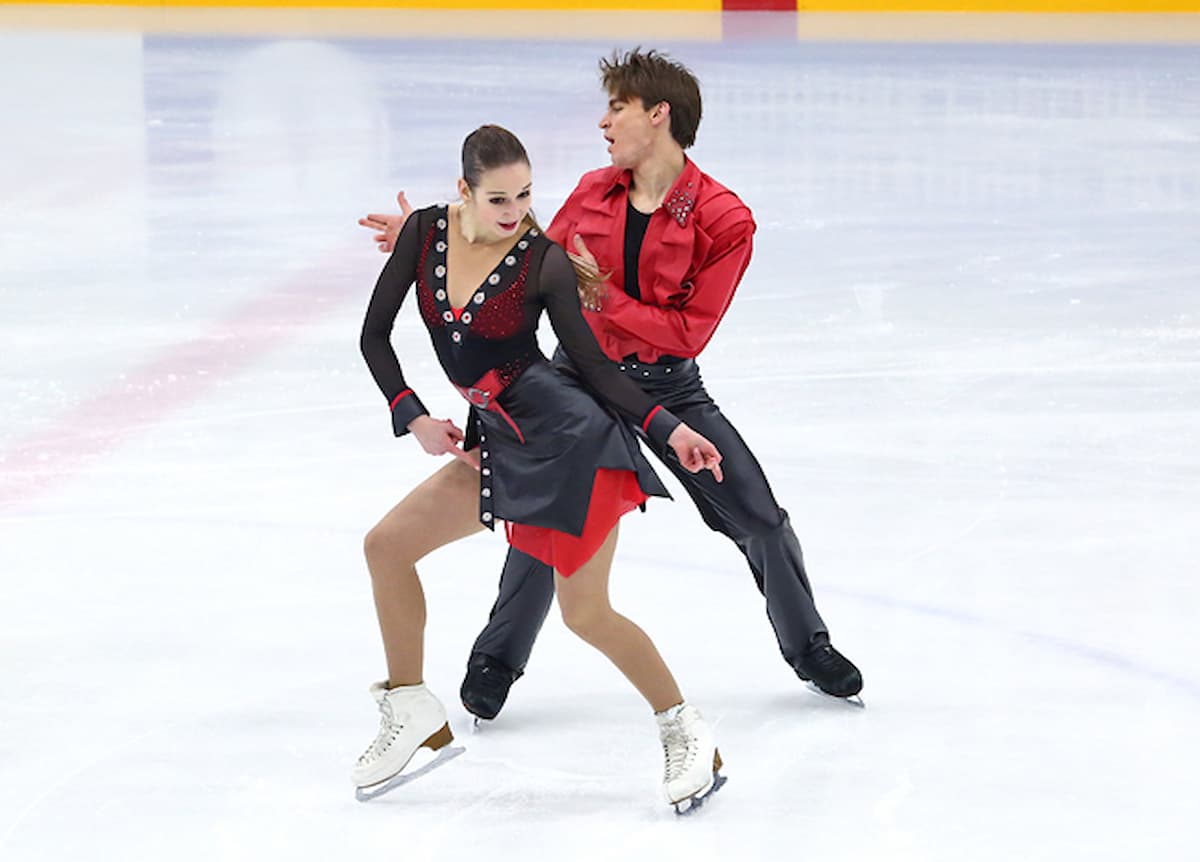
x=389, y=729
x=679, y=747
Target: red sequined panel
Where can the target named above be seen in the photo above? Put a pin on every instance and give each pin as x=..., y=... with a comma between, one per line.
x=503, y=315
x=510, y=371
x=429, y=312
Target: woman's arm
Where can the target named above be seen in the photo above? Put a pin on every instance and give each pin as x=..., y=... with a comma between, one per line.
x=375, y=340
x=558, y=290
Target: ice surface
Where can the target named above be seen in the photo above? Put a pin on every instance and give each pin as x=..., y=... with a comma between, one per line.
x=967, y=353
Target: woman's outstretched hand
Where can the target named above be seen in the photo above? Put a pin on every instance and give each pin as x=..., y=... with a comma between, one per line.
x=695, y=451
x=388, y=225
x=441, y=437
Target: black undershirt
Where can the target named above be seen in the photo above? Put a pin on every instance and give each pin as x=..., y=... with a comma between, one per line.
x=635, y=231
x=636, y=223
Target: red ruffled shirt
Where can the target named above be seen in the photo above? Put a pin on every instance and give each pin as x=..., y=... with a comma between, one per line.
x=697, y=247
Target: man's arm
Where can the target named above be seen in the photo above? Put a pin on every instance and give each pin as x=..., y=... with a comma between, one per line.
x=387, y=224
x=684, y=331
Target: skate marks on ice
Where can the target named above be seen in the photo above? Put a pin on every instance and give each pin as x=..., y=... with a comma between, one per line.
x=518, y=766
x=432, y=761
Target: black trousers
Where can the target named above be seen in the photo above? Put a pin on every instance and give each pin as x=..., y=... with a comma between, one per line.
x=742, y=507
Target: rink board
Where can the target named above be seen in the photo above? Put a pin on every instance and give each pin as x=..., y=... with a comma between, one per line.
x=1090, y=21
x=1000, y=6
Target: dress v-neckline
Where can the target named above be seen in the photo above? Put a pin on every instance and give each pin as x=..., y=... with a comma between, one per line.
x=493, y=277
x=458, y=319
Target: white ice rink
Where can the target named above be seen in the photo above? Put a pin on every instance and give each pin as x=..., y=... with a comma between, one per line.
x=967, y=353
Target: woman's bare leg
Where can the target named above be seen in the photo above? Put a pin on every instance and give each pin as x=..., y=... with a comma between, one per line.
x=583, y=600
x=441, y=510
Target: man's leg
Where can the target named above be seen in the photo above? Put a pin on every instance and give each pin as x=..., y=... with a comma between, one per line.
x=502, y=649
x=743, y=508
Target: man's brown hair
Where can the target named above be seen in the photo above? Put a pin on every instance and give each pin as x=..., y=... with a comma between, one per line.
x=653, y=78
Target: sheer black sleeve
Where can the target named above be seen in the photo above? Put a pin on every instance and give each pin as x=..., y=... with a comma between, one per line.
x=558, y=291
x=376, y=339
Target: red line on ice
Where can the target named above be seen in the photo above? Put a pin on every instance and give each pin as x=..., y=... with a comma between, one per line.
x=151, y=392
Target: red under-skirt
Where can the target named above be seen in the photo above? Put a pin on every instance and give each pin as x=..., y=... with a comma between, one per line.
x=614, y=493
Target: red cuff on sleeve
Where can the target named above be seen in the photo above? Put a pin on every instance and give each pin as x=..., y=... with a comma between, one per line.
x=649, y=416
x=399, y=397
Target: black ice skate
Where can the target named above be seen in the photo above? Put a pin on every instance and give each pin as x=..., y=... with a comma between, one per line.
x=485, y=687
x=830, y=672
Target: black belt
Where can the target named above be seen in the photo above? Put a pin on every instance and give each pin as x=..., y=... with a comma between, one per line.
x=661, y=370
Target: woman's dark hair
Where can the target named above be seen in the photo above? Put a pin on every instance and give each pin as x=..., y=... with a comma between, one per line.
x=490, y=147
x=653, y=78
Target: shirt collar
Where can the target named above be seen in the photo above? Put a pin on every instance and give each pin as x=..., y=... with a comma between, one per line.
x=680, y=200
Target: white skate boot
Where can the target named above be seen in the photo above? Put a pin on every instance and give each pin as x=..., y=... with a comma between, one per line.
x=411, y=718
x=691, y=759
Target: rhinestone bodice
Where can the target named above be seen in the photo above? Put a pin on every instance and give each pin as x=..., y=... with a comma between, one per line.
x=497, y=327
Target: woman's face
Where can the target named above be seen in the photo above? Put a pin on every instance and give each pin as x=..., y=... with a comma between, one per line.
x=501, y=200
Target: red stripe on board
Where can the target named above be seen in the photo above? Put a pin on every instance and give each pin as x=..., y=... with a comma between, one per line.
x=759, y=5
x=178, y=377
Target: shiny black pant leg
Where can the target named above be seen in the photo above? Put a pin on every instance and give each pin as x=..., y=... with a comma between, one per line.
x=526, y=593
x=743, y=508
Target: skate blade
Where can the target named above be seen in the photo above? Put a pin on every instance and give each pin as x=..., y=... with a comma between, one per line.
x=691, y=805
x=444, y=755
x=853, y=700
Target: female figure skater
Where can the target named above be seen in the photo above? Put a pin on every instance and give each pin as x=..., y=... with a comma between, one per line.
x=539, y=452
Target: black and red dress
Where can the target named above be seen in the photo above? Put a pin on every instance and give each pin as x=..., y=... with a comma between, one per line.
x=555, y=464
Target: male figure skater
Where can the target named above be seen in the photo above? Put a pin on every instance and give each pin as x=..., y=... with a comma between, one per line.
x=674, y=244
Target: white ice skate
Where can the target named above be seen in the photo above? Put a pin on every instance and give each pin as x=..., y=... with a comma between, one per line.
x=691, y=759
x=411, y=719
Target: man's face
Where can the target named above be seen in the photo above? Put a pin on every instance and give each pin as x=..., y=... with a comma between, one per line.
x=630, y=130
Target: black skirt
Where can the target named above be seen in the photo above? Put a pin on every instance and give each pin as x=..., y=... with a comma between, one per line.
x=539, y=452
